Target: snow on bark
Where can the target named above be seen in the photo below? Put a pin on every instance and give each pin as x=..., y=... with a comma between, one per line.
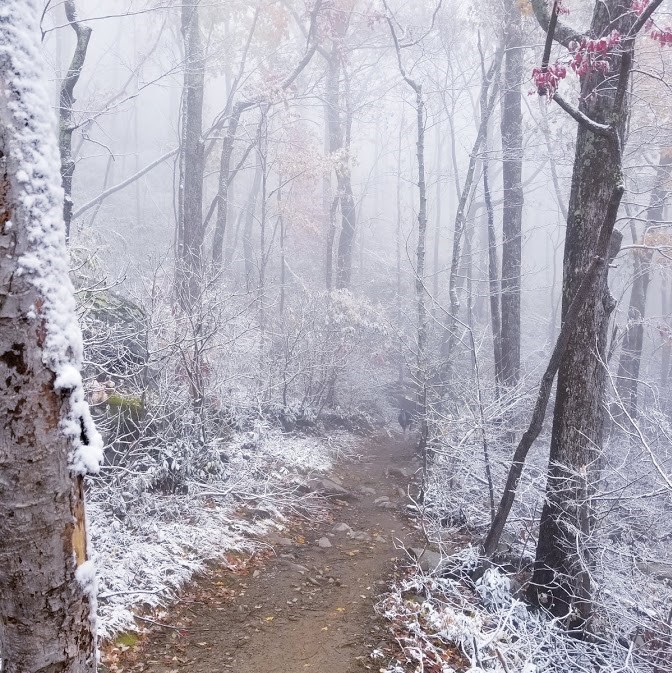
x=33, y=166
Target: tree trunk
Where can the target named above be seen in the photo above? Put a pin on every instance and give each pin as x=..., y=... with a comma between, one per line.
x=47, y=438
x=348, y=210
x=250, y=210
x=223, y=192
x=666, y=348
x=631, y=350
x=66, y=117
x=512, y=213
x=561, y=578
x=189, y=260
x=335, y=139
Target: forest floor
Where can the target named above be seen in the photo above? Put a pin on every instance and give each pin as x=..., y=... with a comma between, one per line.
x=296, y=605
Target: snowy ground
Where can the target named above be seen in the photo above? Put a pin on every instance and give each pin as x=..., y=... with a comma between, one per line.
x=146, y=544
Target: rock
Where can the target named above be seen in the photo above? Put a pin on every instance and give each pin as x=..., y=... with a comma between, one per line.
x=381, y=500
x=401, y=472
x=428, y=560
x=386, y=505
x=330, y=489
x=360, y=535
x=324, y=543
x=367, y=490
x=314, y=582
x=401, y=492
x=661, y=571
x=379, y=538
x=256, y=573
x=342, y=528
x=296, y=567
x=276, y=539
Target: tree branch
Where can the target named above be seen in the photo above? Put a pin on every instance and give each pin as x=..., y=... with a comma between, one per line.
x=562, y=33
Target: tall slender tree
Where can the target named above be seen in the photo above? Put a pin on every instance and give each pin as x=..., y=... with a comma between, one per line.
x=512, y=213
x=190, y=232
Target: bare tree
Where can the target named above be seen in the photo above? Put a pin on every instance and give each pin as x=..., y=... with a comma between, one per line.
x=633, y=339
x=67, y=101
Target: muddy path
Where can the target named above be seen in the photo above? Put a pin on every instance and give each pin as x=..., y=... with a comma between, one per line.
x=302, y=606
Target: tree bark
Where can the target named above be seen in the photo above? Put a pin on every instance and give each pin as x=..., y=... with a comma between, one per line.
x=561, y=580
x=47, y=439
x=66, y=117
x=633, y=340
x=189, y=262
x=512, y=213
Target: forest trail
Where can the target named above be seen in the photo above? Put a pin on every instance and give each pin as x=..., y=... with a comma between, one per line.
x=300, y=607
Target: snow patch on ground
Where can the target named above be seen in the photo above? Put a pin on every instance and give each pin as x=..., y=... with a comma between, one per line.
x=148, y=545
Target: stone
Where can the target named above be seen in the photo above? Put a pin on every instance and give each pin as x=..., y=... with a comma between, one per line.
x=661, y=571
x=428, y=560
x=330, y=489
x=342, y=528
x=324, y=543
x=276, y=539
x=367, y=490
x=381, y=500
x=360, y=535
x=400, y=472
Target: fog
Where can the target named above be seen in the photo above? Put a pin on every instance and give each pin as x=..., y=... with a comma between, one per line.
x=328, y=218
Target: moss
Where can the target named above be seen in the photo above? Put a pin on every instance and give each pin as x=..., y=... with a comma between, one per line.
x=125, y=402
x=127, y=639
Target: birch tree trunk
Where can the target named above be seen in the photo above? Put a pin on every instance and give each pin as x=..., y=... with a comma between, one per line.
x=47, y=438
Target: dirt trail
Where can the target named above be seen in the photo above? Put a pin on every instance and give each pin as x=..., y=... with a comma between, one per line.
x=304, y=608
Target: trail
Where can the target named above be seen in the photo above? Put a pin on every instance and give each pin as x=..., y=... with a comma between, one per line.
x=302, y=608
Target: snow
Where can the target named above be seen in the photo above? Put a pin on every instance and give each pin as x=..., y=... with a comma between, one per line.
x=148, y=544
x=34, y=169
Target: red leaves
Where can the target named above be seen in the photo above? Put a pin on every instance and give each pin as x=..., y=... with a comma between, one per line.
x=547, y=79
x=591, y=55
x=664, y=36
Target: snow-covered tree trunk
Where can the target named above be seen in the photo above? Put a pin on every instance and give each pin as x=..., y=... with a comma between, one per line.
x=47, y=438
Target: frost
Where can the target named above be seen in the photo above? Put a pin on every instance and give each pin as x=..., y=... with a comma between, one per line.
x=148, y=544
x=37, y=199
